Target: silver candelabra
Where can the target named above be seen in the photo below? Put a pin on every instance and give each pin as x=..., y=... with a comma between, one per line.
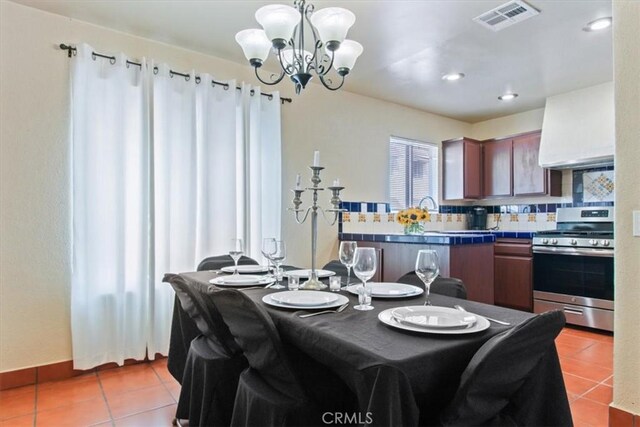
x=313, y=283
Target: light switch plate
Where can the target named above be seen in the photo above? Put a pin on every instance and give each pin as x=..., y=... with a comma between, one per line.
x=636, y=223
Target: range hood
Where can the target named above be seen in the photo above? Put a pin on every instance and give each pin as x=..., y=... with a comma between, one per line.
x=578, y=129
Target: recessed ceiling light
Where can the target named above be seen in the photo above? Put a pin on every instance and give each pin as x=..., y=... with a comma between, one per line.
x=598, y=24
x=508, y=96
x=452, y=77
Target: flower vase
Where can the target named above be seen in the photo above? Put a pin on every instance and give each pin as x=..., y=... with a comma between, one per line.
x=414, y=228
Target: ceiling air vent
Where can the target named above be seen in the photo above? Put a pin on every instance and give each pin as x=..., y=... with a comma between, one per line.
x=506, y=15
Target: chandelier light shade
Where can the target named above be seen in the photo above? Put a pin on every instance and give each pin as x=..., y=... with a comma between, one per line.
x=255, y=45
x=284, y=30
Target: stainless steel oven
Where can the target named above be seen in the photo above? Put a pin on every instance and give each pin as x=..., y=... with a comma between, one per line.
x=573, y=267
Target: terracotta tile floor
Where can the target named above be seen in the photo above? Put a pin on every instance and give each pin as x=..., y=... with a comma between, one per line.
x=145, y=395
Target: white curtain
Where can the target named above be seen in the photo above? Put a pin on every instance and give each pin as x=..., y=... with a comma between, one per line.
x=209, y=169
x=258, y=119
x=110, y=202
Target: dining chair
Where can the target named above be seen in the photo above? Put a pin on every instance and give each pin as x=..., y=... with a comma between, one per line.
x=181, y=321
x=213, y=363
x=337, y=267
x=449, y=286
x=269, y=392
x=219, y=261
x=493, y=388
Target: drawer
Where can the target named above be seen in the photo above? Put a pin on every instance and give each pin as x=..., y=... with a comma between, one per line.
x=513, y=248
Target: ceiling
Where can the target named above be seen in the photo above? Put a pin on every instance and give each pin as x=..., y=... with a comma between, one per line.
x=408, y=46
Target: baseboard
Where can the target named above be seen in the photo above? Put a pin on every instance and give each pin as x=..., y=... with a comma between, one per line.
x=54, y=372
x=621, y=418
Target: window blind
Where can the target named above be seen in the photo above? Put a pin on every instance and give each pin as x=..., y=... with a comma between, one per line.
x=413, y=172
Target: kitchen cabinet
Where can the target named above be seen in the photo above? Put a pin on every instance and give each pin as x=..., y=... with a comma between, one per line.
x=470, y=263
x=529, y=179
x=497, y=168
x=513, y=274
x=462, y=169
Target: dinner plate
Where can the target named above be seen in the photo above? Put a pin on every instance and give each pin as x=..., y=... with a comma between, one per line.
x=433, y=317
x=303, y=274
x=340, y=300
x=244, y=269
x=304, y=299
x=388, y=290
x=242, y=280
x=387, y=318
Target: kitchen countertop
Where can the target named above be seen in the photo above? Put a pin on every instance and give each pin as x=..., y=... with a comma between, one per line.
x=465, y=237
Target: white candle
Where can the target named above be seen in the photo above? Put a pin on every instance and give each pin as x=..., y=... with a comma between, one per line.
x=298, y=182
x=316, y=158
x=336, y=182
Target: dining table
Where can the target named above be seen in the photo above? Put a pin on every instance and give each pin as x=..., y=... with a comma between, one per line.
x=401, y=377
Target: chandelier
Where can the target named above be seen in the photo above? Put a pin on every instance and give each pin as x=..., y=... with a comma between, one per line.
x=284, y=32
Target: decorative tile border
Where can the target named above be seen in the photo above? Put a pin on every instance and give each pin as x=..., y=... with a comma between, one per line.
x=494, y=209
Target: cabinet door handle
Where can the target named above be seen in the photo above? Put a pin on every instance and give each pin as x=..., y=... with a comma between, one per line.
x=571, y=310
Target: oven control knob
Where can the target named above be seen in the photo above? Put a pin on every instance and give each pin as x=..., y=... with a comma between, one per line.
x=574, y=242
x=593, y=242
x=605, y=243
x=545, y=241
x=554, y=241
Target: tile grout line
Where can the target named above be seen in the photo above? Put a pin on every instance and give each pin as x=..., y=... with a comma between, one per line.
x=163, y=383
x=35, y=400
x=104, y=397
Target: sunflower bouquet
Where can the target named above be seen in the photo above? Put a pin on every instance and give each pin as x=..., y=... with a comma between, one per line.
x=412, y=219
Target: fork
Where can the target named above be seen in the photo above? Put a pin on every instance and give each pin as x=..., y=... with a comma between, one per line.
x=501, y=322
x=337, y=310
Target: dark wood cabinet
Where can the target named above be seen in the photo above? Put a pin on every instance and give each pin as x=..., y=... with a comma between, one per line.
x=470, y=263
x=529, y=179
x=513, y=274
x=497, y=168
x=462, y=169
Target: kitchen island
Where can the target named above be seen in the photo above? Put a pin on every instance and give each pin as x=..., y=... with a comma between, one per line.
x=466, y=255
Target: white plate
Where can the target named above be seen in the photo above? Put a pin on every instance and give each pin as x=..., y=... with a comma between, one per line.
x=303, y=274
x=433, y=317
x=304, y=299
x=243, y=269
x=340, y=300
x=388, y=290
x=387, y=318
x=242, y=280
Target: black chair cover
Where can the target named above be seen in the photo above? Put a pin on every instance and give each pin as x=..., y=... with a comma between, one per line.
x=213, y=363
x=180, y=344
x=495, y=388
x=220, y=261
x=449, y=286
x=269, y=392
x=337, y=267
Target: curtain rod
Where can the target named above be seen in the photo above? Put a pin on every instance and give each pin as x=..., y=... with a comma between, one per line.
x=71, y=50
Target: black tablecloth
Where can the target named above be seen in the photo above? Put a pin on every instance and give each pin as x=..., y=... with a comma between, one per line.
x=399, y=377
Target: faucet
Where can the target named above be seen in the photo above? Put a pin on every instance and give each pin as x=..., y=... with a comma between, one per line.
x=435, y=204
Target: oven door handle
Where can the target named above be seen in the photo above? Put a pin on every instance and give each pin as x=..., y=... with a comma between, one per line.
x=605, y=253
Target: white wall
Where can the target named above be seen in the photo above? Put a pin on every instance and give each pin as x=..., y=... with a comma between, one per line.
x=508, y=125
x=351, y=131
x=626, y=351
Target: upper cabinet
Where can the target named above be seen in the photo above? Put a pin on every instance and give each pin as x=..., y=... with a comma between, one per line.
x=497, y=168
x=462, y=169
x=529, y=179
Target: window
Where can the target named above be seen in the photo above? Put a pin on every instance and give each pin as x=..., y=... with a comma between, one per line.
x=413, y=172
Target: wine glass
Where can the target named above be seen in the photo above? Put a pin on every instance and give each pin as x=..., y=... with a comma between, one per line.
x=364, y=267
x=347, y=253
x=268, y=248
x=427, y=269
x=236, y=252
x=277, y=257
